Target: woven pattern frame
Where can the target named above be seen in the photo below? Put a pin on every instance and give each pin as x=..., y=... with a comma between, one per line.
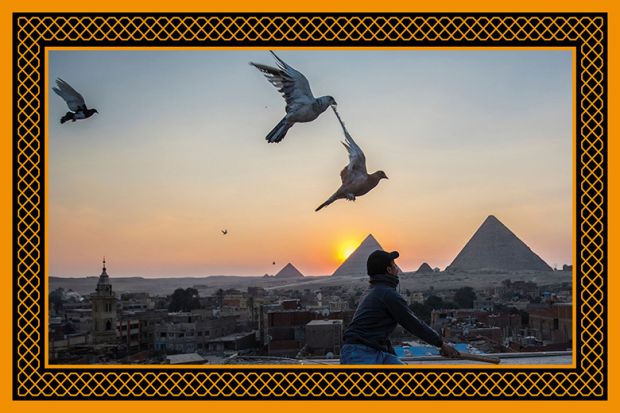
x=32, y=33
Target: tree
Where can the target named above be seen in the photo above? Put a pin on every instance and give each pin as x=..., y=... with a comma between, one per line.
x=434, y=302
x=184, y=300
x=464, y=297
x=56, y=299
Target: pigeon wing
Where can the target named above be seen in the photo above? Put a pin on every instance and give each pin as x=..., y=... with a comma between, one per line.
x=74, y=100
x=357, y=160
x=293, y=85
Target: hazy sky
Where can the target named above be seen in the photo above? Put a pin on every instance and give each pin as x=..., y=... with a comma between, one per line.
x=177, y=153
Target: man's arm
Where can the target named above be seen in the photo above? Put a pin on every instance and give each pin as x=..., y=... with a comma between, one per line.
x=397, y=306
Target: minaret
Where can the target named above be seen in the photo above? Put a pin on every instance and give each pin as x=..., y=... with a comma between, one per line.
x=104, y=310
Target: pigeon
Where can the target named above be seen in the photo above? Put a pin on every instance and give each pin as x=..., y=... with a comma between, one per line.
x=355, y=180
x=224, y=231
x=301, y=105
x=74, y=100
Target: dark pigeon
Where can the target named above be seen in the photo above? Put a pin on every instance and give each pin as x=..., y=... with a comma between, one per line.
x=74, y=100
x=301, y=105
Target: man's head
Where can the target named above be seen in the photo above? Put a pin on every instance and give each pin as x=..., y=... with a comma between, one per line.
x=382, y=262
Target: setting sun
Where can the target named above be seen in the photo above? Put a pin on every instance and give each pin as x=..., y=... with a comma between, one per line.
x=346, y=248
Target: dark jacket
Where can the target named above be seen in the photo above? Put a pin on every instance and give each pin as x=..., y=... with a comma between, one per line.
x=380, y=309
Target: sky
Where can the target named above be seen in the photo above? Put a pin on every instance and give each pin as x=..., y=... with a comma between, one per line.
x=177, y=153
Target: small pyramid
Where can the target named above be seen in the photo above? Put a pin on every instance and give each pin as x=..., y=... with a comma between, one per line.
x=355, y=264
x=289, y=271
x=494, y=247
x=424, y=269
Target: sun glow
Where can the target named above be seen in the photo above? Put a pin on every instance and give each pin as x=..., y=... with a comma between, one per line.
x=345, y=249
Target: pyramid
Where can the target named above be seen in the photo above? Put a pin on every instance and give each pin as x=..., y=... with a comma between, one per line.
x=355, y=264
x=289, y=271
x=424, y=269
x=495, y=247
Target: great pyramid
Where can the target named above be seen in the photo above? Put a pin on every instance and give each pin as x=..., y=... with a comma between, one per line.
x=495, y=247
x=355, y=264
x=289, y=271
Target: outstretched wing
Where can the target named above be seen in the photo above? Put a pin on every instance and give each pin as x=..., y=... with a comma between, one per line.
x=357, y=160
x=293, y=86
x=74, y=100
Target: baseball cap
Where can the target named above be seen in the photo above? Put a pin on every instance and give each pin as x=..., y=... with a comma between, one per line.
x=379, y=260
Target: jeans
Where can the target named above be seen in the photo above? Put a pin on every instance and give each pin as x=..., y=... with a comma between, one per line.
x=361, y=354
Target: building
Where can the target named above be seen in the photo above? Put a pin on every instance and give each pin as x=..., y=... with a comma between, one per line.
x=128, y=329
x=323, y=337
x=190, y=332
x=416, y=297
x=136, y=302
x=104, y=311
x=233, y=342
x=442, y=318
x=552, y=323
x=285, y=334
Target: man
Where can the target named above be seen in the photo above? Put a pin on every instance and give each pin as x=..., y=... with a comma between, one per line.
x=381, y=308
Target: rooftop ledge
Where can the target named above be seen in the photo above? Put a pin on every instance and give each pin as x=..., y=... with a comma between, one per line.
x=507, y=359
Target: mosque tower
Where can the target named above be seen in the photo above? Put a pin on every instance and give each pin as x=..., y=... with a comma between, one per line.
x=104, y=311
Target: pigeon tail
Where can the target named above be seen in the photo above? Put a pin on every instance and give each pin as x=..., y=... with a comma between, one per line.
x=279, y=132
x=324, y=204
x=68, y=116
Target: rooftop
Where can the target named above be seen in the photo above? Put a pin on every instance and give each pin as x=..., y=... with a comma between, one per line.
x=506, y=359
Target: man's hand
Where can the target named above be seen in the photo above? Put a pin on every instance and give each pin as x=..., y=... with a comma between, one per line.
x=449, y=351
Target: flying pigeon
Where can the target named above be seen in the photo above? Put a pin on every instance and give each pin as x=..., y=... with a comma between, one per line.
x=224, y=231
x=355, y=180
x=74, y=100
x=301, y=105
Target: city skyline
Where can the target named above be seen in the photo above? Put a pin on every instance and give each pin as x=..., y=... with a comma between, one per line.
x=177, y=154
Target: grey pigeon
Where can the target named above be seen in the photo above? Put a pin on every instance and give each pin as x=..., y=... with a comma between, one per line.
x=301, y=105
x=355, y=180
x=74, y=100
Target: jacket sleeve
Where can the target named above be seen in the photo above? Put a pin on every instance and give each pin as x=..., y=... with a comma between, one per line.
x=397, y=306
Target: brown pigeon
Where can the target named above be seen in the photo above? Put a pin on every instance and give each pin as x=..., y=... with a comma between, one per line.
x=355, y=180
x=301, y=105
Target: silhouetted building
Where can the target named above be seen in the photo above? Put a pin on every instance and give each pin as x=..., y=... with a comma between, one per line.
x=104, y=311
x=552, y=323
x=323, y=337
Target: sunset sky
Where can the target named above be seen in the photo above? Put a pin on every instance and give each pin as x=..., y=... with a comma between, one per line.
x=177, y=153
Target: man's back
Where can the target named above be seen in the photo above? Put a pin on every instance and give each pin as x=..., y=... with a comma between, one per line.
x=372, y=323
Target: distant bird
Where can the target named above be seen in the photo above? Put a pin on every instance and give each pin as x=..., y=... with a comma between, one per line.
x=224, y=231
x=355, y=180
x=274, y=263
x=74, y=100
x=301, y=105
